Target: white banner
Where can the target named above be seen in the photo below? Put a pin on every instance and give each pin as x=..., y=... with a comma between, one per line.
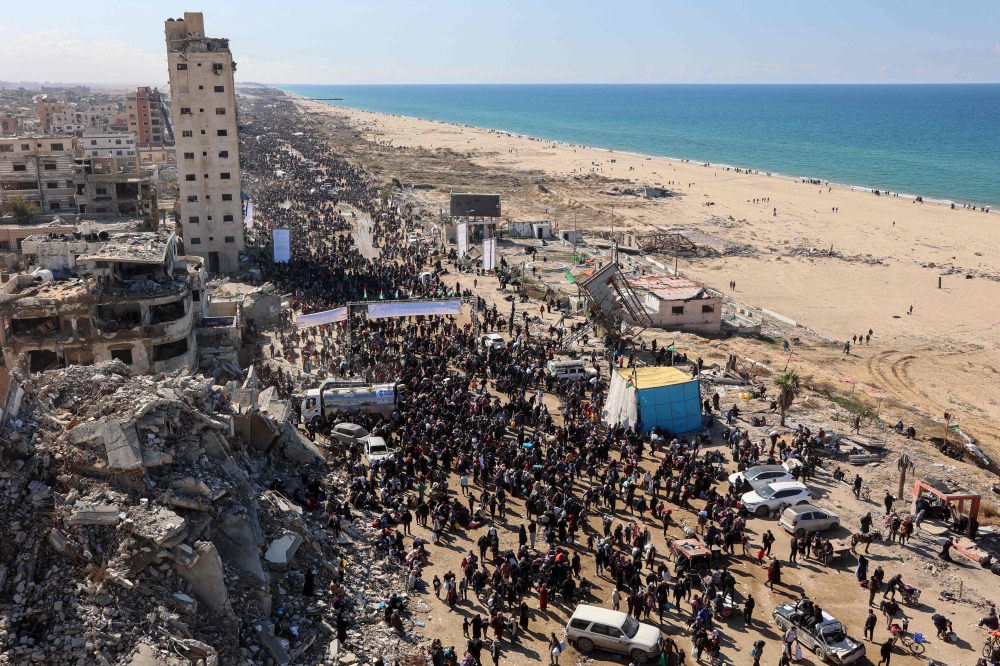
x=320, y=318
x=463, y=239
x=248, y=220
x=489, y=254
x=282, y=246
x=386, y=310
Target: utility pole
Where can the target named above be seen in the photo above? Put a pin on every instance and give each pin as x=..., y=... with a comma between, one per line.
x=677, y=253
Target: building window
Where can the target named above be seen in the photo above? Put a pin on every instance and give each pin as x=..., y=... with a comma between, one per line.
x=189, y=156
x=230, y=239
x=220, y=88
x=223, y=154
x=118, y=142
x=53, y=185
x=193, y=198
x=193, y=219
x=227, y=197
x=55, y=205
x=185, y=111
x=220, y=110
x=227, y=218
x=118, y=152
x=50, y=166
x=57, y=146
x=182, y=66
x=195, y=241
x=20, y=167
x=7, y=148
x=187, y=134
x=25, y=146
x=677, y=310
x=222, y=132
x=224, y=176
x=93, y=142
x=707, y=308
x=217, y=67
x=190, y=176
x=123, y=355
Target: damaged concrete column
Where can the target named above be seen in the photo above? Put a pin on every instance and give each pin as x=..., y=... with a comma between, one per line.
x=208, y=584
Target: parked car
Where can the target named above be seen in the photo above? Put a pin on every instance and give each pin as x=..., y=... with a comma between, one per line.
x=593, y=627
x=761, y=475
x=493, y=340
x=828, y=638
x=348, y=433
x=805, y=518
x=767, y=498
x=376, y=449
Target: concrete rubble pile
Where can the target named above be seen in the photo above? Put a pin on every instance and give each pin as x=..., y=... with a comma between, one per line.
x=142, y=528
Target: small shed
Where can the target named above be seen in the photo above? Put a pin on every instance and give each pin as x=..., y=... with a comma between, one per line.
x=650, y=397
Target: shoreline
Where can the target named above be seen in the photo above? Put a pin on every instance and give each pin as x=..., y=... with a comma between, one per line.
x=990, y=208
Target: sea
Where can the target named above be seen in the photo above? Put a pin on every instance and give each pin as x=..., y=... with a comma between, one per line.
x=941, y=142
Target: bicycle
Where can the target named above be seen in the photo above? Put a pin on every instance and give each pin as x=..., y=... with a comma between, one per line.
x=866, y=493
x=912, y=642
x=992, y=643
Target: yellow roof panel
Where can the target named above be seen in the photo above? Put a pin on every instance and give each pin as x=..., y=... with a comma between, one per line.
x=646, y=378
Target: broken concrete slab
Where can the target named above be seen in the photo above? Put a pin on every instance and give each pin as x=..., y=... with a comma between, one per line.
x=299, y=448
x=156, y=458
x=237, y=544
x=278, y=647
x=94, y=514
x=57, y=540
x=206, y=578
x=159, y=524
x=122, y=446
x=282, y=550
x=185, y=603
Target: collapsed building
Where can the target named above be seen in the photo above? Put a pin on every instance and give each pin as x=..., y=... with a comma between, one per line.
x=97, y=295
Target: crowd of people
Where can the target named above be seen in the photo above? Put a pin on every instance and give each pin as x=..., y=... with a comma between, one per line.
x=472, y=431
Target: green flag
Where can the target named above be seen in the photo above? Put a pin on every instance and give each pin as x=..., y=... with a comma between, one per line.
x=570, y=277
x=670, y=348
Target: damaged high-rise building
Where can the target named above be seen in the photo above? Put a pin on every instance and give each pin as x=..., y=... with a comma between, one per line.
x=209, y=208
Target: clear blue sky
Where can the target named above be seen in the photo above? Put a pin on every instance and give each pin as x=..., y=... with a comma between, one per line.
x=519, y=41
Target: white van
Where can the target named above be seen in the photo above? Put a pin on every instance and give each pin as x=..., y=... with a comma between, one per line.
x=569, y=370
x=593, y=627
x=493, y=341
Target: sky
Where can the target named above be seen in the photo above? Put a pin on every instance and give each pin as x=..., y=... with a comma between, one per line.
x=518, y=41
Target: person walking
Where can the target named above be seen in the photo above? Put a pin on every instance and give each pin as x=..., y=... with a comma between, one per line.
x=793, y=550
x=857, y=486
x=554, y=649
x=748, y=607
x=870, y=623
x=888, y=501
x=886, y=651
x=495, y=653
x=756, y=652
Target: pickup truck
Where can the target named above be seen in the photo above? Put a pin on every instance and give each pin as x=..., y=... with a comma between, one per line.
x=828, y=639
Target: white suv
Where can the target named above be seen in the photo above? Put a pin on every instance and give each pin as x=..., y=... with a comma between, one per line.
x=595, y=627
x=773, y=496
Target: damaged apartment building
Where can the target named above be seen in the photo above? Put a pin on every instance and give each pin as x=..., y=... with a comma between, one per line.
x=110, y=293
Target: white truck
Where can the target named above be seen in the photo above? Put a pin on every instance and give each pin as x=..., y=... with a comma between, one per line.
x=334, y=396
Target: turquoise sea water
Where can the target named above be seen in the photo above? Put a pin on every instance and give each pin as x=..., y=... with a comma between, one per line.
x=936, y=141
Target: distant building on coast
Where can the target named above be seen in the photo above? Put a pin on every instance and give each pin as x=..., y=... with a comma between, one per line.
x=203, y=103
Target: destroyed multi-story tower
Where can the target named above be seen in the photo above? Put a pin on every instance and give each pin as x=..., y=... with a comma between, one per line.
x=99, y=294
x=209, y=208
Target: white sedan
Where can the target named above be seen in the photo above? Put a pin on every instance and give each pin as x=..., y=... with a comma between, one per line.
x=761, y=475
x=773, y=496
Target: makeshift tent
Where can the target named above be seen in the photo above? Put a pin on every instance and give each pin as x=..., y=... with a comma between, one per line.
x=664, y=397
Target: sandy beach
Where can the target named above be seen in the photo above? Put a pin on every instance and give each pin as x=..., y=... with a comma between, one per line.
x=888, y=252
